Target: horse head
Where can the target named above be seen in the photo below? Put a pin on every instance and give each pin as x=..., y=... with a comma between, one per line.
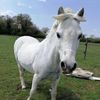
x=68, y=33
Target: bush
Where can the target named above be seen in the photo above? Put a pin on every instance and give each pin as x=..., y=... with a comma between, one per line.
x=91, y=40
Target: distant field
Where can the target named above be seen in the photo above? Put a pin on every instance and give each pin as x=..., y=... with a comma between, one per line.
x=68, y=88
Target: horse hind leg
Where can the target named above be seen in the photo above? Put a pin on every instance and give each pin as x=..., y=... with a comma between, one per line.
x=21, y=76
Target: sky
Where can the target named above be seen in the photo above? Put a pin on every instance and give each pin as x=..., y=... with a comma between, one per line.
x=42, y=12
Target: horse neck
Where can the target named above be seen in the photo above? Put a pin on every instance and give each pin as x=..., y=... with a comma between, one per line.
x=52, y=31
x=51, y=41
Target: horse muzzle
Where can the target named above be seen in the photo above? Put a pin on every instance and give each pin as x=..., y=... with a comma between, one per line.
x=67, y=69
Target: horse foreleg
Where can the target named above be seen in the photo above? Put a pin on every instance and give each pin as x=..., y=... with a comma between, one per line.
x=54, y=89
x=35, y=81
x=21, y=77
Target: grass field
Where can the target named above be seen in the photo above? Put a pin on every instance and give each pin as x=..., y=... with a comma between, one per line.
x=68, y=89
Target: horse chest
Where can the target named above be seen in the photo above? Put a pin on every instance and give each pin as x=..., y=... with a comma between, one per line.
x=47, y=67
x=51, y=74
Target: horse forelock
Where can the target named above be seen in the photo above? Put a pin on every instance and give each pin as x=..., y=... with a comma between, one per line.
x=68, y=11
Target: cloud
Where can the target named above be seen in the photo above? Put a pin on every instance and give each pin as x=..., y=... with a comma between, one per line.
x=42, y=0
x=7, y=12
x=20, y=4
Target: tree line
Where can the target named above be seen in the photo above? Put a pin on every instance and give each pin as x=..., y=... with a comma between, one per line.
x=22, y=24
x=19, y=25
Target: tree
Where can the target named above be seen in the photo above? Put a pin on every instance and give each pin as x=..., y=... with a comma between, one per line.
x=2, y=25
x=24, y=26
x=19, y=25
x=45, y=30
x=9, y=24
x=24, y=21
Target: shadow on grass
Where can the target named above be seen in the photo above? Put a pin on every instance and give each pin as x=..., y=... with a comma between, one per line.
x=63, y=93
x=66, y=94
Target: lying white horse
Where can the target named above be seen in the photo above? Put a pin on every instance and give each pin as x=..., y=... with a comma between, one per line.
x=43, y=59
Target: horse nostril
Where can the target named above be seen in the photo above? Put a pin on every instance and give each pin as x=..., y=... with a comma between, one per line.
x=62, y=64
x=74, y=67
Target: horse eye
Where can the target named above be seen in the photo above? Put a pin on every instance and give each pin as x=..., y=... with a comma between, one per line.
x=58, y=35
x=79, y=36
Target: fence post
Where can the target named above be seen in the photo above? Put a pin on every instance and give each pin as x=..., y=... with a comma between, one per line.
x=85, y=50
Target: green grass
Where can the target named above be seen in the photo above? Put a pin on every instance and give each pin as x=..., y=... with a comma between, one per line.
x=68, y=88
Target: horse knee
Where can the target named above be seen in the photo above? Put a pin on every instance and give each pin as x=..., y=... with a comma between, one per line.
x=54, y=93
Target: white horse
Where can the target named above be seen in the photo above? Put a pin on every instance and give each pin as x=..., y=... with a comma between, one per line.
x=45, y=59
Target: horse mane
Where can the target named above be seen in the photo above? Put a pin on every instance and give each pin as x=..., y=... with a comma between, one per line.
x=55, y=24
x=68, y=11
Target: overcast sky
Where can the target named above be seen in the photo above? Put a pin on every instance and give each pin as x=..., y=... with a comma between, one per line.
x=42, y=11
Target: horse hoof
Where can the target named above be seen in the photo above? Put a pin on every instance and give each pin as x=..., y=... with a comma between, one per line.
x=50, y=90
x=23, y=87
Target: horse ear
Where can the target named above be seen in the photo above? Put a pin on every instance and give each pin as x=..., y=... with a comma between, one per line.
x=81, y=13
x=60, y=10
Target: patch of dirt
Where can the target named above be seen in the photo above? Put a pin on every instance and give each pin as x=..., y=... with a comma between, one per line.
x=28, y=86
